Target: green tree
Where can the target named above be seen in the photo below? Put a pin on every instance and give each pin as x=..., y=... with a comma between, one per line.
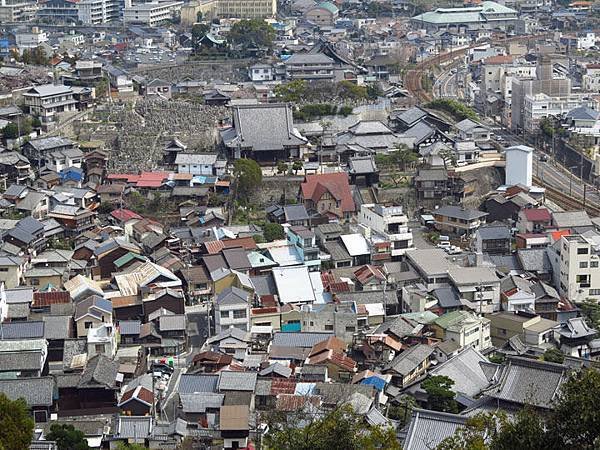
x=339, y=429
x=296, y=166
x=11, y=131
x=273, y=231
x=374, y=91
x=348, y=89
x=575, y=421
x=124, y=446
x=248, y=177
x=590, y=310
x=59, y=244
x=199, y=30
x=199, y=16
x=252, y=33
x=67, y=437
x=403, y=156
x=448, y=157
x=293, y=91
x=282, y=167
x=554, y=355
x=101, y=88
x=440, y=396
x=16, y=425
x=403, y=410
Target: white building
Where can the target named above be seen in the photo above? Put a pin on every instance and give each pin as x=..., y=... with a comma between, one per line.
x=464, y=328
x=519, y=165
x=232, y=310
x=260, y=72
x=538, y=106
x=196, y=163
x=390, y=223
x=151, y=14
x=479, y=286
x=17, y=11
x=591, y=78
x=63, y=159
x=102, y=341
x=119, y=80
x=579, y=268
x=30, y=39
x=48, y=101
x=94, y=12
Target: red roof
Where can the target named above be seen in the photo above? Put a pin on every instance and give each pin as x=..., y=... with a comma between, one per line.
x=127, y=177
x=556, y=235
x=337, y=184
x=214, y=247
x=266, y=310
x=537, y=215
x=282, y=386
x=123, y=215
x=500, y=59
x=366, y=272
x=268, y=300
x=152, y=179
x=41, y=299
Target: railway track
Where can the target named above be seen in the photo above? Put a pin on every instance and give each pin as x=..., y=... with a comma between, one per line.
x=413, y=78
x=567, y=202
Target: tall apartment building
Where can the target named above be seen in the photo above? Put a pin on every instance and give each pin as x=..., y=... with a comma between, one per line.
x=550, y=80
x=151, y=14
x=17, y=10
x=579, y=268
x=94, y=12
x=387, y=224
x=247, y=9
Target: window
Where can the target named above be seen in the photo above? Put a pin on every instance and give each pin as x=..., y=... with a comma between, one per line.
x=583, y=265
x=328, y=327
x=3, y=269
x=239, y=314
x=582, y=251
x=87, y=325
x=99, y=348
x=350, y=329
x=35, y=281
x=225, y=314
x=594, y=264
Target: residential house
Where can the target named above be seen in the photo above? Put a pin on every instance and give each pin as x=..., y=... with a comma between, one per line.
x=458, y=220
x=494, y=239
x=198, y=164
x=309, y=66
x=92, y=312
x=331, y=353
x=516, y=294
x=465, y=328
x=479, y=286
x=48, y=101
x=469, y=130
x=304, y=241
x=386, y=225
x=531, y=329
x=409, y=365
x=232, y=309
x=323, y=14
x=28, y=235
x=432, y=185
x=11, y=270
x=329, y=195
x=533, y=220
x=102, y=340
x=576, y=338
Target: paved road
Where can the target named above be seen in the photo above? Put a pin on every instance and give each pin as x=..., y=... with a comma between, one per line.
x=197, y=332
x=419, y=240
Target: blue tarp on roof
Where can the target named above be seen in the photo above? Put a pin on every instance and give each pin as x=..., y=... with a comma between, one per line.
x=376, y=382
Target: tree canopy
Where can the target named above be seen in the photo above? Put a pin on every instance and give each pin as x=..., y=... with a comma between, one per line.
x=252, y=33
x=199, y=30
x=440, y=396
x=339, y=429
x=67, y=437
x=273, y=231
x=248, y=175
x=16, y=425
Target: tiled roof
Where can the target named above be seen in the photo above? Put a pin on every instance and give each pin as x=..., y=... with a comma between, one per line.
x=35, y=391
x=537, y=214
x=336, y=184
x=237, y=381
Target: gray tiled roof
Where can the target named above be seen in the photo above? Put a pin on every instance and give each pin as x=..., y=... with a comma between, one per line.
x=428, y=429
x=133, y=427
x=57, y=327
x=173, y=322
x=35, y=391
x=528, y=381
x=264, y=285
x=459, y=213
x=99, y=371
x=22, y=330
x=466, y=371
x=237, y=381
x=295, y=212
x=299, y=339
x=189, y=384
x=199, y=402
x=494, y=232
x=17, y=361
x=410, y=359
x=262, y=127
x=412, y=115
x=232, y=296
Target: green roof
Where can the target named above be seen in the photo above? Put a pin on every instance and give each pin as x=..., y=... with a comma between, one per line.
x=481, y=13
x=329, y=7
x=127, y=257
x=452, y=318
x=259, y=260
